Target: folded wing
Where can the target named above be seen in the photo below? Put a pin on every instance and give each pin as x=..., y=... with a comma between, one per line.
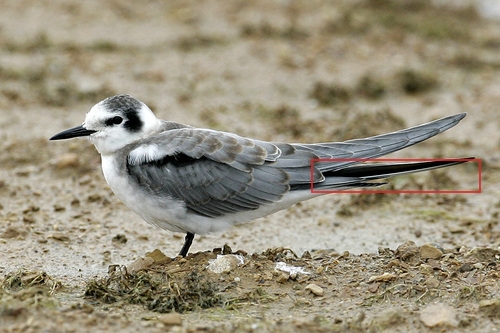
x=218, y=173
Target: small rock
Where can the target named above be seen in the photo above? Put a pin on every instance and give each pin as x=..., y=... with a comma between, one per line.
x=434, y=264
x=94, y=197
x=315, y=289
x=491, y=307
x=226, y=249
x=478, y=265
x=140, y=264
x=225, y=263
x=143, y=238
x=439, y=315
x=25, y=172
x=483, y=254
x=430, y=251
x=59, y=236
x=432, y=282
x=374, y=287
x=42, y=240
x=158, y=257
x=281, y=266
x=388, y=319
x=12, y=232
x=28, y=219
x=306, y=255
x=171, y=319
x=382, y=278
x=456, y=229
x=426, y=269
x=283, y=277
x=466, y=267
x=408, y=252
x=59, y=208
x=119, y=238
x=69, y=160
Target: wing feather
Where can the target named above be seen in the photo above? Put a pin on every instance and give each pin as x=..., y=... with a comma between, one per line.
x=217, y=173
x=213, y=173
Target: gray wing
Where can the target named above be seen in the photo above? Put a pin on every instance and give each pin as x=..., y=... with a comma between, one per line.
x=379, y=145
x=216, y=173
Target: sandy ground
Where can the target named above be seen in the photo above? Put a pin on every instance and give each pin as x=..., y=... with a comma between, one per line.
x=285, y=71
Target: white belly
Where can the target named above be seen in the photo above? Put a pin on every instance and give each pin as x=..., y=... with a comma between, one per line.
x=163, y=213
x=170, y=214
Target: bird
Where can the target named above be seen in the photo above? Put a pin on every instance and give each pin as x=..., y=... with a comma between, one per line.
x=199, y=181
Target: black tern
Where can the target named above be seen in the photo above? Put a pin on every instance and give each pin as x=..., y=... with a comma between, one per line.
x=199, y=181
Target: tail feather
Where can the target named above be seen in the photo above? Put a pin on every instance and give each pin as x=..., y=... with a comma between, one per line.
x=359, y=175
x=383, y=170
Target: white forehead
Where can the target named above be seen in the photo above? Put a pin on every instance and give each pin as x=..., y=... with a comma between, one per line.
x=137, y=115
x=98, y=114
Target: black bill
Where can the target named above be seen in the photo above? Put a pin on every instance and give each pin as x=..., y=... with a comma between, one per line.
x=72, y=133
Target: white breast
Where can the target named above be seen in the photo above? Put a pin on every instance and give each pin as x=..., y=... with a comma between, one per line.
x=162, y=212
x=170, y=214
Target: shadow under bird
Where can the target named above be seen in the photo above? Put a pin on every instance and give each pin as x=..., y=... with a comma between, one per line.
x=198, y=181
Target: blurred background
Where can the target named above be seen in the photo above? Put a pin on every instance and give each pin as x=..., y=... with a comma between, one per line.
x=275, y=70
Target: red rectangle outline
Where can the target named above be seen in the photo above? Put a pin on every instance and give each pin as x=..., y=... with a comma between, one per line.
x=365, y=191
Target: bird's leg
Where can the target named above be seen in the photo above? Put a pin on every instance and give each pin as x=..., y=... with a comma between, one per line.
x=188, y=240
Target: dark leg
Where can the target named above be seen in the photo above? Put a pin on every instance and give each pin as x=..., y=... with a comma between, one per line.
x=188, y=240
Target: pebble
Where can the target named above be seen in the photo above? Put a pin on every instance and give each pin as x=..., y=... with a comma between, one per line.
x=69, y=160
x=382, y=278
x=466, y=267
x=59, y=208
x=225, y=263
x=432, y=282
x=59, y=236
x=158, y=256
x=430, y=251
x=434, y=264
x=491, y=307
x=140, y=264
x=439, y=315
x=119, y=239
x=281, y=266
x=478, y=265
x=283, y=277
x=483, y=254
x=388, y=319
x=426, y=269
x=408, y=253
x=374, y=287
x=171, y=319
x=315, y=289
x=12, y=232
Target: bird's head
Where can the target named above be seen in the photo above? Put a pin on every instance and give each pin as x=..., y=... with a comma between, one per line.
x=114, y=123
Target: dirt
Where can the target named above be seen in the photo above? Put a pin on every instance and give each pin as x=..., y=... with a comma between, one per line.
x=73, y=258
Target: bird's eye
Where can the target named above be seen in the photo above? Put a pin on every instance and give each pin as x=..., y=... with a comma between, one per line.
x=114, y=121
